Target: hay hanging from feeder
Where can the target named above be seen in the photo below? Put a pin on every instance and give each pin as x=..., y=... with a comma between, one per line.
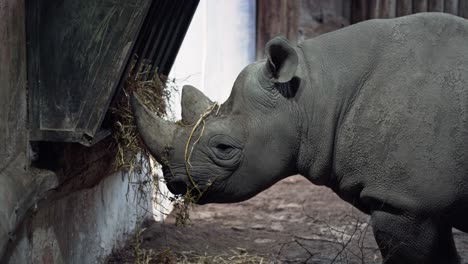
x=132, y=154
x=155, y=95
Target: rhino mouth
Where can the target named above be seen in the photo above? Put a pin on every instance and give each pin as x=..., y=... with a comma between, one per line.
x=198, y=189
x=181, y=185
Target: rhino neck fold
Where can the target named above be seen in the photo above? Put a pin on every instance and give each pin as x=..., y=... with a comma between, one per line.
x=315, y=157
x=332, y=81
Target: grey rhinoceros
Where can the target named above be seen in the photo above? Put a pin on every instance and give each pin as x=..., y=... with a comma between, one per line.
x=377, y=111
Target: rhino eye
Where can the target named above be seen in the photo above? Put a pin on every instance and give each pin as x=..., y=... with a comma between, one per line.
x=224, y=147
x=224, y=152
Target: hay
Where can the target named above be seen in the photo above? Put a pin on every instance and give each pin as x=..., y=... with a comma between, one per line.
x=132, y=155
x=139, y=253
x=154, y=91
x=166, y=256
x=154, y=95
x=235, y=256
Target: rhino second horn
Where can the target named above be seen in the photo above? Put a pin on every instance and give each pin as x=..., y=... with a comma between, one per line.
x=156, y=132
x=194, y=104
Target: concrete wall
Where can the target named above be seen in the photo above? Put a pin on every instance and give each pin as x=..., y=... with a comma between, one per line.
x=85, y=226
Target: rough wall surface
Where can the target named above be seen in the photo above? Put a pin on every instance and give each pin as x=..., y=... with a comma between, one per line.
x=19, y=186
x=82, y=227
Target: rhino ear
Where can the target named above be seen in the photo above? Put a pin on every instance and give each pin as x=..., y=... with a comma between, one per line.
x=282, y=60
x=194, y=104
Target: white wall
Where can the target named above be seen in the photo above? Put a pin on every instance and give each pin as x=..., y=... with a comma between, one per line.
x=86, y=225
x=220, y=42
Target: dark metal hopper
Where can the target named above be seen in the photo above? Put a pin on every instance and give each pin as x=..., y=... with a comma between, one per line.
x=79, y=51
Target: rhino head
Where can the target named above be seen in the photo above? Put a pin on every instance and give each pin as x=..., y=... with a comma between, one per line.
x=231, y=152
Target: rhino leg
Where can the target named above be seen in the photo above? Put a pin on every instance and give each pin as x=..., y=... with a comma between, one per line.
x=403, y=239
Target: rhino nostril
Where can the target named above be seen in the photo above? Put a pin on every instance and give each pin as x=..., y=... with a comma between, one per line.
x=178, y=186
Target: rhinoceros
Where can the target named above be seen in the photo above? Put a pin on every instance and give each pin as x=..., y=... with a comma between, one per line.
x=377, y=111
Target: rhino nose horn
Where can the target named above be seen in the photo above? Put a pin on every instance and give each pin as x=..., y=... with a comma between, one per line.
x=156, y=132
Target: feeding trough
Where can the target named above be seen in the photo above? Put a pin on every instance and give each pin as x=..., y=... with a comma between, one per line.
x=79, y=52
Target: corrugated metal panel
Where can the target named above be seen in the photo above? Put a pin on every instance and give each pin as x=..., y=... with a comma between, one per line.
x=162, y=35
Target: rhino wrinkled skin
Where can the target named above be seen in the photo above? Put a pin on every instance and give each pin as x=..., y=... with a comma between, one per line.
x=377, y=111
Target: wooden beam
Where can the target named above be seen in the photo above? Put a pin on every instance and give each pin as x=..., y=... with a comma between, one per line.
x=14, y=163
x=374, y=6
x=359, y=11
x=463, y=8
x=382, y=8
x=436, y=6
x=292, y=19
x=275, y=17
x=404, y=7
x=387, y=9
x=12, y=77
x=347, y=5
x=419, y=6
x=451, y=7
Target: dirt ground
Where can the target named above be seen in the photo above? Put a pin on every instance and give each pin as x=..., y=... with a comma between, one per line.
x=292, y=222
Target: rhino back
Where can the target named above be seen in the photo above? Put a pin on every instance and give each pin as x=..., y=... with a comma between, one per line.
x=402, y=137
